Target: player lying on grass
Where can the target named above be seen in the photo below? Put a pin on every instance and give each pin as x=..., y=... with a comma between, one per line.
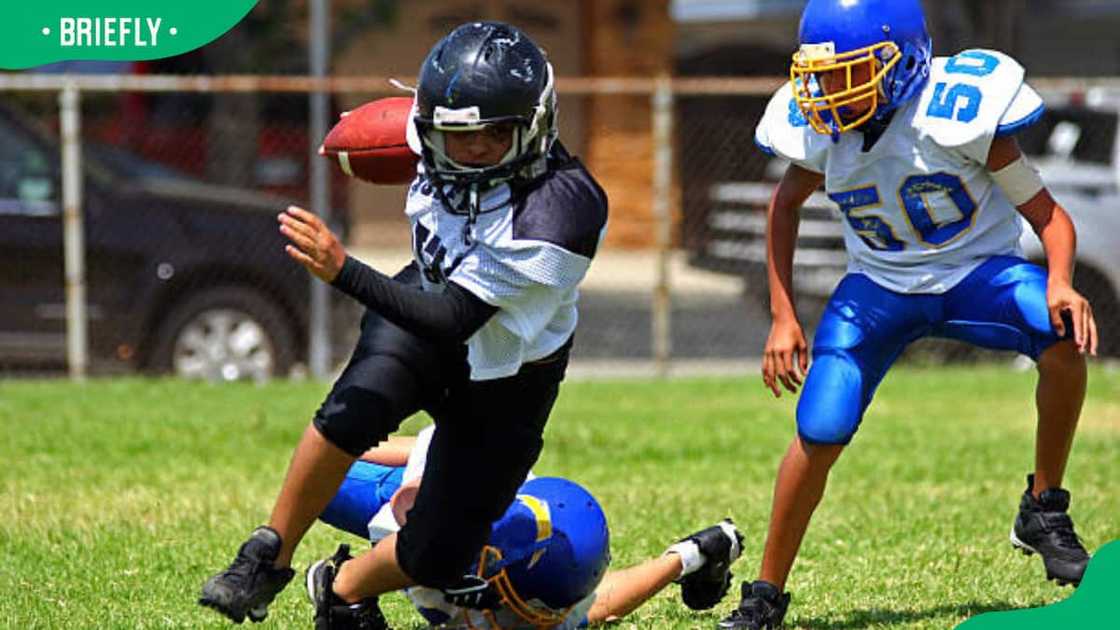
x=922, y=160
x=476, y=331
x=544, y=566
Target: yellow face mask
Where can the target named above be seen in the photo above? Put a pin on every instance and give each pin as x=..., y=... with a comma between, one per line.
x=533, y=615
x=839, y=92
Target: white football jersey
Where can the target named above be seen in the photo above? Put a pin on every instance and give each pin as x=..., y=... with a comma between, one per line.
x=921, y=210
x=526, y=254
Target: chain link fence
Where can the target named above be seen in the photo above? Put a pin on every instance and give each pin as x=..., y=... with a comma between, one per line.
x=726, y=184
x=185, y=270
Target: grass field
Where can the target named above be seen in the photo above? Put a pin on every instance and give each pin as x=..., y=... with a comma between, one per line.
x=120, y=497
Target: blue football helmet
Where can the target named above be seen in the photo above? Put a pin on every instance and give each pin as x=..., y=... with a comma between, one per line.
x=858, y=60
x=548, y=552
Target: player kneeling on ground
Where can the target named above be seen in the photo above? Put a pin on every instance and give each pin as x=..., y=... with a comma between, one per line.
x=921, y=157
x=476, y=331
x=544, y=565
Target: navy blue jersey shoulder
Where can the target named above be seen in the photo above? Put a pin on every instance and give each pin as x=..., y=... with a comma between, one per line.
x=565, y=207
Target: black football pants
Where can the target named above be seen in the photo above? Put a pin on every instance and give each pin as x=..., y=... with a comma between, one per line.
x=488, y=436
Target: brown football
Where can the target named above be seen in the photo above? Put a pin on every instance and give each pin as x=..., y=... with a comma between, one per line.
x=369, y=142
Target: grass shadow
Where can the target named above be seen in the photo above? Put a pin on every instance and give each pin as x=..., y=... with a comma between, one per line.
x=886, y=616
x=869, y=617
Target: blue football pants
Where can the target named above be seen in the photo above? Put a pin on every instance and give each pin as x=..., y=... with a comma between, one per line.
x=865, y=327
x=365, y=490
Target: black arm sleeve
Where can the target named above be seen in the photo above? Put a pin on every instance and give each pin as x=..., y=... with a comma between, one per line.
x=409, y=274
x=451, y=316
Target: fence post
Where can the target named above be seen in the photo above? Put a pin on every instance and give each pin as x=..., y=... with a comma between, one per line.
x=662, y=107
x=319, y=337
x=77, y=324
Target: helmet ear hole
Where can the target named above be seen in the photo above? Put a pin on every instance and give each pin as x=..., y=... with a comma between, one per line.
x=910, y=63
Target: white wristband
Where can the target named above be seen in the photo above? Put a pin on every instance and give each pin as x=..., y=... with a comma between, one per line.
x=1019, y=181
x=691, y=558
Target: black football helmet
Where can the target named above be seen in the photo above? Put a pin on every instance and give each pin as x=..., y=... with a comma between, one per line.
x=481, y=74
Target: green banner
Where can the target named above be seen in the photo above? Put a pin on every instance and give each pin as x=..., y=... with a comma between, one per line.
x=1093, y=606
x=37, y=33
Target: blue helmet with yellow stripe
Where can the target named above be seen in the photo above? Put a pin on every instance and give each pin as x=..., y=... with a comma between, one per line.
x=877, y=51
x=548, y=551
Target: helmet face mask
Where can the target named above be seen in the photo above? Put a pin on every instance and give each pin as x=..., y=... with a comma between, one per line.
x=847, y=107
x=885, y=42
x=480, y=75
x=491, y=568
x=545, y=555
x=440, y=141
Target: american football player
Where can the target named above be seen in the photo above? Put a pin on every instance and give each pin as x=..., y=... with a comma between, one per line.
x=476, y=331
x=920, y=156
x=544, y=565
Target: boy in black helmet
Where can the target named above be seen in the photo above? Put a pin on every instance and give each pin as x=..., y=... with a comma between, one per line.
x=475, y=331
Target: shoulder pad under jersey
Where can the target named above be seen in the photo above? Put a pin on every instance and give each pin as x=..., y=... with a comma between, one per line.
x=783, y=132
x=567, y=208
x=974, y=97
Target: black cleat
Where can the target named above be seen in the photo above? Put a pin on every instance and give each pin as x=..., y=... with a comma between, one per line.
x=1043, y=526
x=249, y=585
x=763, y=607
x=720, y=545
x=331, y=613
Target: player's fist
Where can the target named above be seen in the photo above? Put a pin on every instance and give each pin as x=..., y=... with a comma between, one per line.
x=1061, y=297
x=313, y=245
x=786, y=357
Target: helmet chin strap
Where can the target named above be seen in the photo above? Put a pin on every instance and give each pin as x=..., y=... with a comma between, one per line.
x=468, y=195
x=834, y=131
x=473, y=208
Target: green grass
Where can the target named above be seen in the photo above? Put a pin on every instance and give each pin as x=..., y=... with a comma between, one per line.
x=120, y=497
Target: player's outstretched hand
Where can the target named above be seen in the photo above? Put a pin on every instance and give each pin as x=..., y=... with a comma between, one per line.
x=1063, y=297
x=313, y=244
x=786, y=357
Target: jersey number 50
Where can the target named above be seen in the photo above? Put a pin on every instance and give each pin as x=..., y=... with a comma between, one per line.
x=961, y=102
x=947, y=100
x=914, y=195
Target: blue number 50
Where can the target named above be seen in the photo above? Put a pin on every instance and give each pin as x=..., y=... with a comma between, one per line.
x=871, y=228
x=915, y=194
x=947, y=101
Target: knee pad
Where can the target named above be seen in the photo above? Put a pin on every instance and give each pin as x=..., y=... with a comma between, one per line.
x=833, y=400
x=352, y=419
x=374, y=394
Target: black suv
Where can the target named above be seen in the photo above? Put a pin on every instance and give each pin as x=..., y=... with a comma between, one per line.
x=181, y=276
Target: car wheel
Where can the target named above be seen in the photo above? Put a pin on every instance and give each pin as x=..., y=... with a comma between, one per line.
x=224, y=334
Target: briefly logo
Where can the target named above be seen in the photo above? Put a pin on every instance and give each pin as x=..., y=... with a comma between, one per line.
x=112, y=30
x=109, y=31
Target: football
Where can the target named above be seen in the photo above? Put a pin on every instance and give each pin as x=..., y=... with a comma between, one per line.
x=369, y=142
